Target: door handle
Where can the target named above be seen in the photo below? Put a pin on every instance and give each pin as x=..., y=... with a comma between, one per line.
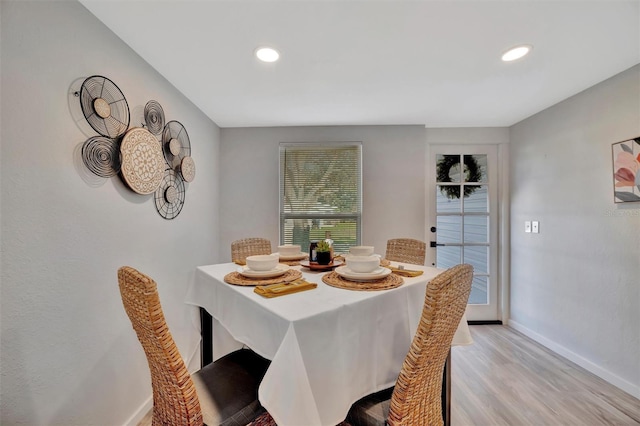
x=435, y=244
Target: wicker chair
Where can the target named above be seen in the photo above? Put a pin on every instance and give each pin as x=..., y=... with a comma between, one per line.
x=416, y=398
x=240, y=249
x=224, y=392
x=406, y=250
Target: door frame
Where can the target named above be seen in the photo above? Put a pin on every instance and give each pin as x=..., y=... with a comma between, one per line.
x=502, y=228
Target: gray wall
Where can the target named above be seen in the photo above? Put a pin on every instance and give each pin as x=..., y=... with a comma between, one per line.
x=393, y=179
x=575, y=286
x=69, y=354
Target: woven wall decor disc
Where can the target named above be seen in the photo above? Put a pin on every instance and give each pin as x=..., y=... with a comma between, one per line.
x=154, y=117
x=101, y=156
x=142, y=161
x=102, y=108
x=175, y=144
x=188, y=169
x=386, y=283
x=236, y=278
x=170, y=195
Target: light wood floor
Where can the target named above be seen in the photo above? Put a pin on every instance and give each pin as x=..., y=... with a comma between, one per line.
x=505, y=378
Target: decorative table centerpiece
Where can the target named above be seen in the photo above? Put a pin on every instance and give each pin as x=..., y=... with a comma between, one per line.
x=323, y=251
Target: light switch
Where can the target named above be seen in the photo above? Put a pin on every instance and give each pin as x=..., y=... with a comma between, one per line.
x=535, y=227
x=527, y=226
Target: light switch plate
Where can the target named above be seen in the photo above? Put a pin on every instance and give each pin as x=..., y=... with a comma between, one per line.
x=527, y=226
x=535, y=227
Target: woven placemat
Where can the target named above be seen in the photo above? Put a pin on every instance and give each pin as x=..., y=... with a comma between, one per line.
x=236, y=278
x=335, y=280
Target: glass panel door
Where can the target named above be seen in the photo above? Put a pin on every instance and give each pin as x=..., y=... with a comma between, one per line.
x=463, y=204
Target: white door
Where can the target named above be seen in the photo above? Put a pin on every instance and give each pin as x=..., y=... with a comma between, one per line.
x=463, y=204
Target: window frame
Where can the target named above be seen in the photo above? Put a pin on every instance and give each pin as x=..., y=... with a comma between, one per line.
x=283, y=216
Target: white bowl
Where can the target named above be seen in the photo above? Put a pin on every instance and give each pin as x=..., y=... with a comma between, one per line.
x=289, y=249
x=363, y=264
x=262, y=262
x=361, y=250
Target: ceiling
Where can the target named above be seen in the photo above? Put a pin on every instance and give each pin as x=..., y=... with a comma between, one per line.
x=358, y=62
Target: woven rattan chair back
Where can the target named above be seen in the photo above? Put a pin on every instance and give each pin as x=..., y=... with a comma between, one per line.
x=241, y=249
x=175, y=401
x=406, y=250
x=416, y=398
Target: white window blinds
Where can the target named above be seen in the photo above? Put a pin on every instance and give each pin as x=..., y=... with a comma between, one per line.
x=321, y=193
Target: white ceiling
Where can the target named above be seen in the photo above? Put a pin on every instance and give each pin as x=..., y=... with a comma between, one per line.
x=351, y=62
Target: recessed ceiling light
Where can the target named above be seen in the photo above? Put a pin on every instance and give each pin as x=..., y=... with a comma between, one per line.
x=516, y=52
x=267, y=54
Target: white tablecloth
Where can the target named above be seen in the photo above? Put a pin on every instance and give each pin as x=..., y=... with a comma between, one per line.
x=328, y=346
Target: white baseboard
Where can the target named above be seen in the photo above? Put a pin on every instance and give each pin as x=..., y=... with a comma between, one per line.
x=630, y=388
x=140, y=413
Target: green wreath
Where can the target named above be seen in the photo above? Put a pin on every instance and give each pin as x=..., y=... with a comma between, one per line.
x=473, y=172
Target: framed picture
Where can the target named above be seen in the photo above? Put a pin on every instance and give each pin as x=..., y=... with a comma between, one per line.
x=626, y=170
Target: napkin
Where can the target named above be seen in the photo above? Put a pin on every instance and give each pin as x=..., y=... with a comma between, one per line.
x=405, y=272
x=281, y=289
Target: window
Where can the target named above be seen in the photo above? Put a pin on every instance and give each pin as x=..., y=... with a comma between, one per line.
x=321, y=193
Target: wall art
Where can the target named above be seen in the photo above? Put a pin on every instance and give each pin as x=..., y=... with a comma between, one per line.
x=154, y=158
x=626, y=170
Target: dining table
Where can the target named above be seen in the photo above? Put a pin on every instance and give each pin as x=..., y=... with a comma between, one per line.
x=329, y=346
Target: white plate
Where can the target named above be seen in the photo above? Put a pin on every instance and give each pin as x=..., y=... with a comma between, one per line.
x=278, y=270
x=376, y=274
x=298, y=256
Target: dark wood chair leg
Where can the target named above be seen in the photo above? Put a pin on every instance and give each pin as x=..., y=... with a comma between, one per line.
x=446, y=391
x=206, y=329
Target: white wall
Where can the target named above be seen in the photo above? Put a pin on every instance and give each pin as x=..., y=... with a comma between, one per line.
x=393, y=180
x=575, y=286
x=69, y=353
